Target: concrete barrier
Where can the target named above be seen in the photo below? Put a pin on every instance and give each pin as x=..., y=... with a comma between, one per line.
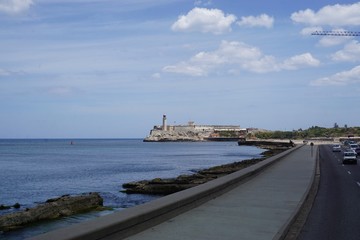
x=130, y=221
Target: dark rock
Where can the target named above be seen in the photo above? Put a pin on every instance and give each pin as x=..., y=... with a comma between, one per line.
x=166, y=186
x=51, y=209
x=4, y=207
x=16, y=205
x=267, y=144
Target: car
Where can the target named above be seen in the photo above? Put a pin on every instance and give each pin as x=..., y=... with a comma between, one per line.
x=353, y=146
x=357, y=150
x=336, y=148
x=349, y=157
x=348, y=142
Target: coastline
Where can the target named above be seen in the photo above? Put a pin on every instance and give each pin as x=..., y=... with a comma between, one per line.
x=177, y=158
x=160, y=186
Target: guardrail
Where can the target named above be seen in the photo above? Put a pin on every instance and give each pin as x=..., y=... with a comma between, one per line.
x=130, y=221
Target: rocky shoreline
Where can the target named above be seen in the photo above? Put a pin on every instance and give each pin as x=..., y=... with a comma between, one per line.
x=175, y=136
x=51, y=209
x=159, y=186
x=268, y=144
x=69, y=205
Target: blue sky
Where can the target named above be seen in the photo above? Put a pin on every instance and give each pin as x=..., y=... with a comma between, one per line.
x=111, y=69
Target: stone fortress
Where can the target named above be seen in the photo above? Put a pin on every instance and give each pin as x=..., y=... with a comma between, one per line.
x=193, y=132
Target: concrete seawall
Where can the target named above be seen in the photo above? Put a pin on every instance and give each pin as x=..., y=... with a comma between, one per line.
x=133, y=220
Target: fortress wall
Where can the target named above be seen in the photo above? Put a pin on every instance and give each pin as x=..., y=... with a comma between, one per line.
x=186, y=128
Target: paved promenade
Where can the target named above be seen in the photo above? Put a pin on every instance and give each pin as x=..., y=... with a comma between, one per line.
x=258, y=209
x=237, y=206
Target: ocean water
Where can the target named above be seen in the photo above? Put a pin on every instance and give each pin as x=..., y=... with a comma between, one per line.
x=34, y=170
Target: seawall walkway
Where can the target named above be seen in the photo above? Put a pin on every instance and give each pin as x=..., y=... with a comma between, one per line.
x=260, y=207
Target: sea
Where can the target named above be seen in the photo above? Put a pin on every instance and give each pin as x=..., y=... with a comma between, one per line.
x=34, y=170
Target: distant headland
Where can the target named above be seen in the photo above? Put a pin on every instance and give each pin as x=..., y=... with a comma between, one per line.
x=193, y=132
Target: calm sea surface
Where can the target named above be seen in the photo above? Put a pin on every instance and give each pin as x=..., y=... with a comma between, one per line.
x=32, y=171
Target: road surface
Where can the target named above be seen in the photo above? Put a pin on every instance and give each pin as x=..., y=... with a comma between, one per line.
x=336, y=210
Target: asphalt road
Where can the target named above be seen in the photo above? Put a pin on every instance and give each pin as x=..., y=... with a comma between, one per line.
x=336, y=210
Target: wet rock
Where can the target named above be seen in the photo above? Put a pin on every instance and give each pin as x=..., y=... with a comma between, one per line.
x=268, y=144
x=4, y=207
x=16, y=205
x=51, y=209
x=166, y=186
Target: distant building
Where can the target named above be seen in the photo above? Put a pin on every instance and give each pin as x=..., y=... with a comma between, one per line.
x=193, y=132
x=191, y=126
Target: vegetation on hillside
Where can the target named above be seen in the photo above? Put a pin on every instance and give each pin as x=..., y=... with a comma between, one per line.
x=227, y=134
x=312, y=132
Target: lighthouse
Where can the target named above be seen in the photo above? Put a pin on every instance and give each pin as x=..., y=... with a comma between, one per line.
x=164, y=127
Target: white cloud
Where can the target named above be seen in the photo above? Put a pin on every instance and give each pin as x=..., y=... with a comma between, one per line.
x=341, y=78
x=204, y=20
x=334, y=16
x=325, y=41
x=302, y=60
x=331, y=15
x=15, y=6
x=350, y=53
x=186, y=68
x=202, y=3
x=262, y=20
x=241, y=55
x=263, y=64
x=329, y=41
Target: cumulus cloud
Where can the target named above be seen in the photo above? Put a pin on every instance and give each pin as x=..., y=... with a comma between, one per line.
x=335, y=16
x=341, y=78
x=302, y=60
x=331, y=15
x=350, y=53
x=204, y=20
x=329, y=41
x=15, y=6
x=240, y=55
x=325, y=41
x=258, y=21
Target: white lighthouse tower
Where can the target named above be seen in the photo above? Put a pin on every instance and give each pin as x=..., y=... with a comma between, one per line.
x=164, y=127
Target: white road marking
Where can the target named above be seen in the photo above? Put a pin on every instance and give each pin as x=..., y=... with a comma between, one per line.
x=349, y=172
x=358, y=183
